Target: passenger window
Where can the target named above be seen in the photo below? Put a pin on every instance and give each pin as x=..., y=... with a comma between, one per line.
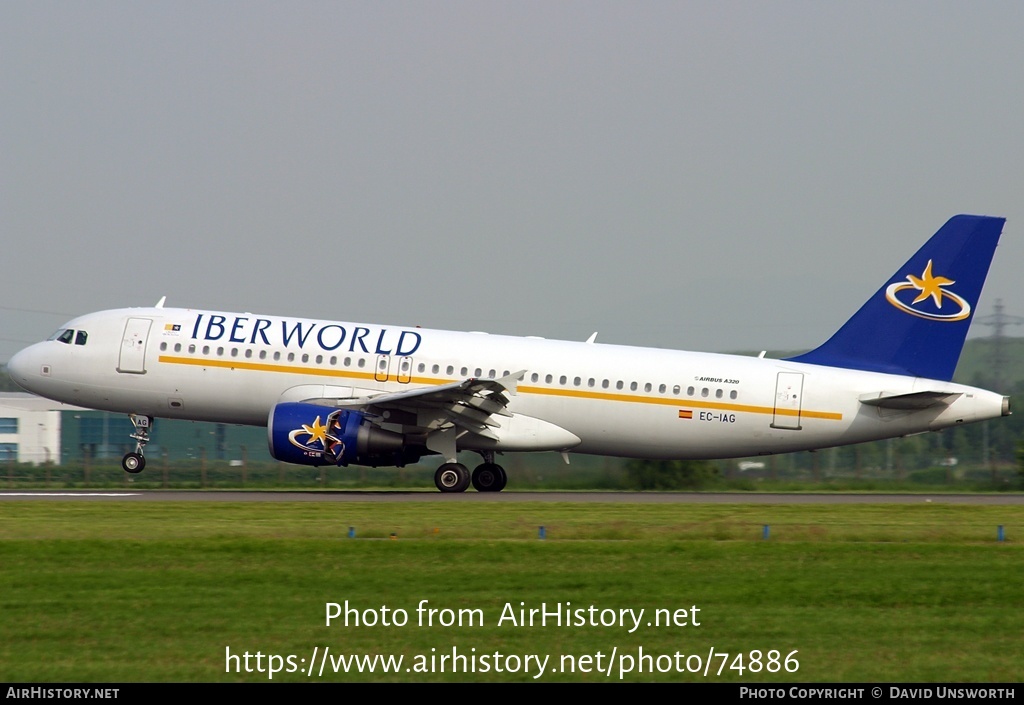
x=548, y=378
x=732, y=394
x=661, y=389
x=191, y=348
x=618, y=385
x=704, y=392
x=718, y=394
x=435, y=369
x=206, y=350
x=220, y=352
x=334, y=360
x=562, y=379
x=479, y=372
x=534, y=377
x=177, y=347
x=234, y=352
x=690, y=391
x=450, y=370
x=277, y=355
x=465, y=371
x=291, y=357
x=319, y=359
x=263, y=354
x=591, y=382
x=81, y=337
x=604, y=384
x=632, y=386
x=163, y=346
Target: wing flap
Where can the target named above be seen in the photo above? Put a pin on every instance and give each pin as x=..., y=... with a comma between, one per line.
x=468, y=404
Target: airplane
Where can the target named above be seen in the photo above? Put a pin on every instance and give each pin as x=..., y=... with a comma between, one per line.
x=341, y=393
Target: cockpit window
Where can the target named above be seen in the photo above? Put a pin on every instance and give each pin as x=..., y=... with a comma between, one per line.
x=58, y=333
x=66, y=336
x=81, y=337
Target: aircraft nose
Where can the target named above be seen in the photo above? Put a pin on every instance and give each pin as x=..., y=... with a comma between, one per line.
x=22, y=368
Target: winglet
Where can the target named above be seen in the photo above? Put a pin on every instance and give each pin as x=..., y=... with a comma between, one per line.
x=509, y=382
x=917, y=322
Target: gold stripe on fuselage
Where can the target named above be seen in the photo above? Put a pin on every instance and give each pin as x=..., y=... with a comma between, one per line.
x=521, y=389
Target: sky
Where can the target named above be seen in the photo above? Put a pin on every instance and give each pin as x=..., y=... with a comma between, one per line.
x=697, y=175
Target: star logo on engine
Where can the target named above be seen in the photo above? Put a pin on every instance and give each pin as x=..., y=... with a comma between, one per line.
x=316, y=432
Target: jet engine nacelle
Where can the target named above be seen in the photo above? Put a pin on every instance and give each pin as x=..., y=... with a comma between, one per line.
x=309, y=434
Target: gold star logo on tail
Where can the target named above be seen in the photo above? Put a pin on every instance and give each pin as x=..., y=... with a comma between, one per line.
x=931, y=287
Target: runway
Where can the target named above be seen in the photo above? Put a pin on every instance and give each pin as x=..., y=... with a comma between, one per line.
x=547, y=497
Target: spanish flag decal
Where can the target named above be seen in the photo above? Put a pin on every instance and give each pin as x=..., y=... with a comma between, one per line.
x=685, y=414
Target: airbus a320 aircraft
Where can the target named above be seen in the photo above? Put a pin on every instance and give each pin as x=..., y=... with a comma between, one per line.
x=351, y=393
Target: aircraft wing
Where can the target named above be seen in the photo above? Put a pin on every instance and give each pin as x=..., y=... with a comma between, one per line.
x=469, y=404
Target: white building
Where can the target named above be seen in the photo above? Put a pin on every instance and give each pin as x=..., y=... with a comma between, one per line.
x=30, y=428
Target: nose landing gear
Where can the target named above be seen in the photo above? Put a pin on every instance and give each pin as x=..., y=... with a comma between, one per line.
x=136, y=462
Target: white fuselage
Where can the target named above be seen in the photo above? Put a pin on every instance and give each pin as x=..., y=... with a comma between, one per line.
x=574, y=396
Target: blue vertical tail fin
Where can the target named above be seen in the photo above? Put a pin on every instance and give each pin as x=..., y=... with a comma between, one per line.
x=917, y=322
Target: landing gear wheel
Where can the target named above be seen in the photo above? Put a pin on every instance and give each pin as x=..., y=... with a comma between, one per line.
x=133, y=462
x=489, y=477
x=452, y=477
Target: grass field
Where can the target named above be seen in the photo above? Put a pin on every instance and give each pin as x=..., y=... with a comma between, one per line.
x=158, y=591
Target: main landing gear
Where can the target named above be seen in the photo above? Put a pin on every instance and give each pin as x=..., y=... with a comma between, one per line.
x=487, y=477
x=136, y=462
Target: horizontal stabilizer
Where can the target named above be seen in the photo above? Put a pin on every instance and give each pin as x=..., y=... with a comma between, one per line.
x=913, y=401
